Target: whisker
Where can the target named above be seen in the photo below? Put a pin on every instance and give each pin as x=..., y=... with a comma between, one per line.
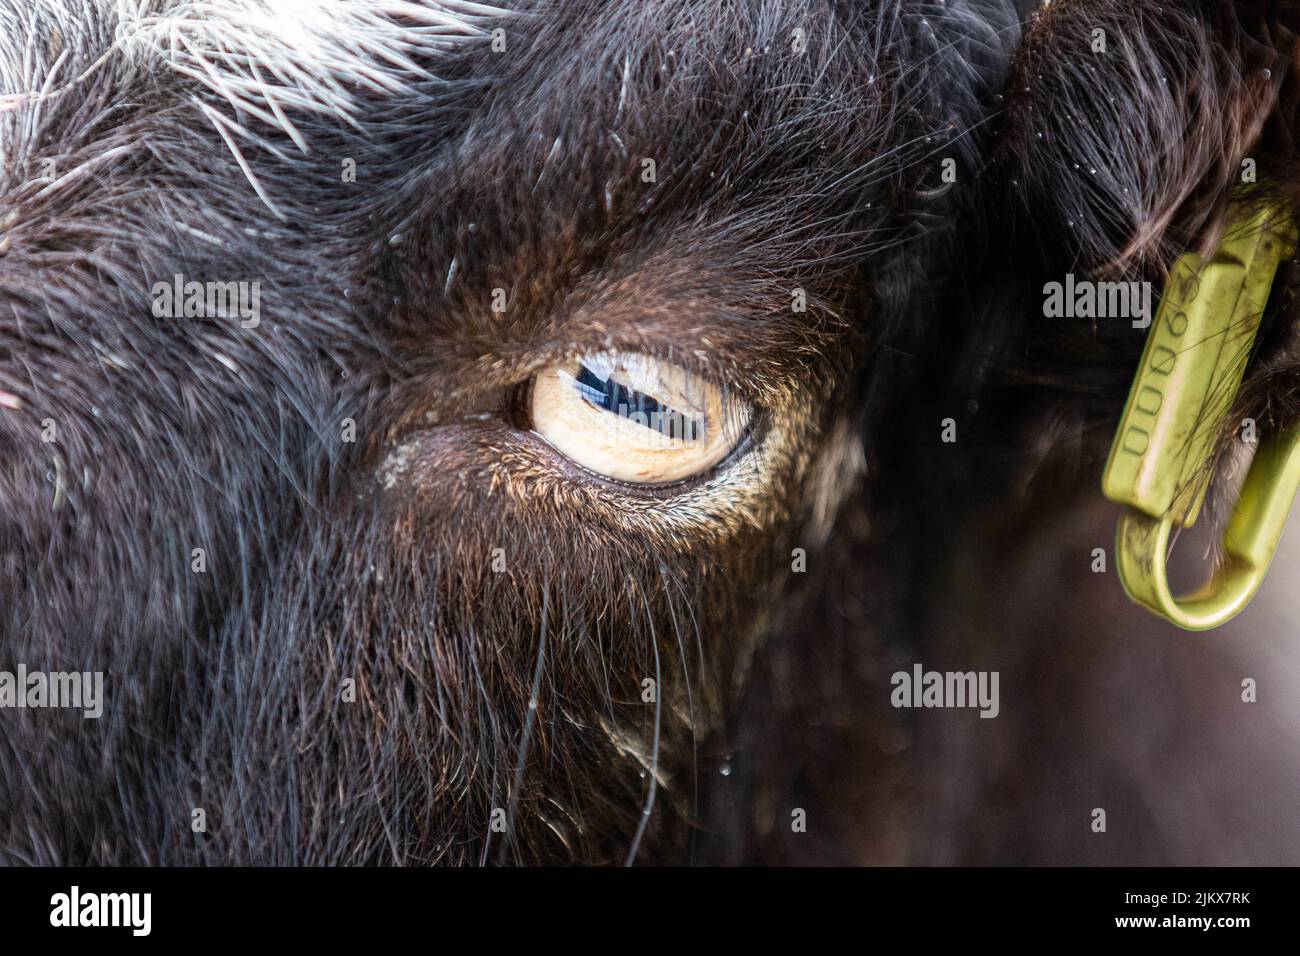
x=654, y=758
x=529, y=720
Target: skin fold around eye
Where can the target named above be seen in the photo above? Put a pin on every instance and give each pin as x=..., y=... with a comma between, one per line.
x=636, y=418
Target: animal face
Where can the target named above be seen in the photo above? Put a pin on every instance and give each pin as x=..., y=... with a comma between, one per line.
x=473, y=435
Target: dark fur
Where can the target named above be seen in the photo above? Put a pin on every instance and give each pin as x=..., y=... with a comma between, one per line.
x=371, y=560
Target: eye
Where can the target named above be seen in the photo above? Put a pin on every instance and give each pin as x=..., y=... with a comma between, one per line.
x=636, y=418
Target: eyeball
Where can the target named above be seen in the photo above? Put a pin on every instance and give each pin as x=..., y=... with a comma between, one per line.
x=636, y=418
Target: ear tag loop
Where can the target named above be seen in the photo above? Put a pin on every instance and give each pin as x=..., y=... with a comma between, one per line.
x=1191, y=369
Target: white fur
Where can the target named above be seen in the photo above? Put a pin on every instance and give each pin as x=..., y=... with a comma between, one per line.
x=271, y=58
x=265, y=60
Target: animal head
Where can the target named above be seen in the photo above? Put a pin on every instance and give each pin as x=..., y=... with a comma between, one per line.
x=455, y=430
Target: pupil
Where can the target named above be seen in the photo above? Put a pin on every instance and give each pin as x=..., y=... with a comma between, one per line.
x=617, y=398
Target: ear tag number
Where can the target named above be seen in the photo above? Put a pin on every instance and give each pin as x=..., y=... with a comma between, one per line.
x=1191, y=369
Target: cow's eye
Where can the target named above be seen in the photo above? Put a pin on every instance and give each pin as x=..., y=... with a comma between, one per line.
x=636, y=418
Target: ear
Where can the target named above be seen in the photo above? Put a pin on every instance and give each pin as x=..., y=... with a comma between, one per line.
x=1129, y=124
x=1120, y=135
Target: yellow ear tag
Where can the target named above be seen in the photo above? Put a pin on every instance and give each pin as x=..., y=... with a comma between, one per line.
x=1191, y=369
